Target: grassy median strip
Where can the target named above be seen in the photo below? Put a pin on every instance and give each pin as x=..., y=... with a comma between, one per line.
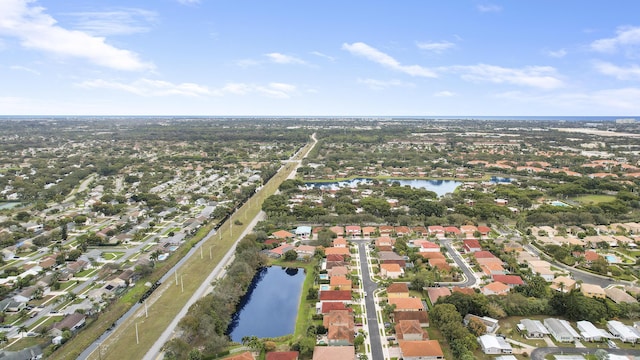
x=169, y=298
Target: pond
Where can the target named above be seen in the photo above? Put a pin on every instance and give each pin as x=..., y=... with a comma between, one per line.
x=270, y=307
x=440, y=187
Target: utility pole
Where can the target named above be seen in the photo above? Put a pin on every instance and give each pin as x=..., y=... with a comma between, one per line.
x=137, y=339
x=182, y=283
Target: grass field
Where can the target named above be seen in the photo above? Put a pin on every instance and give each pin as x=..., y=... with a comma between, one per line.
x=593, y=199
x=168, y=299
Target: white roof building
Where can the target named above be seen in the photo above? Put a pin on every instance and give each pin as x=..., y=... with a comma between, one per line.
x=590, y=332
x=561, y=330
x=532, y=328
x=622, y=331
x=492, y=344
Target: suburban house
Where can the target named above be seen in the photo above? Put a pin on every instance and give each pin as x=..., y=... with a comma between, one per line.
x=391, y=271
x=340, y=283
x=398, y=290
x=436, y=230
x=340, y=242
x=495, y=288
x=303, y=232
x=619, y=295
x=510, y=280
x=435, y=293
x=407, y=304
x=340, y=335
x=490, y=323
x=338, y=230
x=390, y=257
x=420, y=350
x=592, y=291
x=532, y=329
x=421, y=316
x=410, y=330
x=354, y=231
x=491, y=344
x=471, y=245
x=452, y=231
x=282, y=355
x=561, y=330
x=334, y=353
x=71, y=322
x=428, y=246
x=563, y=284
x=368, y=231
x=623, y=332
x=343, y=296
x=283, y=234
x=493, y=268
x=589, y=332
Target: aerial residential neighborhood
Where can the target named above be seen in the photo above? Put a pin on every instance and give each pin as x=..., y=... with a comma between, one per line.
x=418, y=250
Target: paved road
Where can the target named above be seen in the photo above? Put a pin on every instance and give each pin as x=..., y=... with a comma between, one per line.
x=372, y=318
x=468, y=273
x=586, y=277
x=541, y=353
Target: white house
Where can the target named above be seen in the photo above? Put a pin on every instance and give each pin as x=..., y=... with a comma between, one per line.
x=590, y=332
x=561, y=330
x=623, y=332
x=532, y=329
x=492, y=344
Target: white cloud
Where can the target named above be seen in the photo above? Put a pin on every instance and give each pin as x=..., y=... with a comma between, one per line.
x=317, y=53
x=625, y=36
x=189, y=2
x=372, y=54
x=489, y=8
x=279, y=58
x=605, y=102
x=149, y=87
x=273, y=90
x=114, y=22
x=621, y=73
x=557, y=53
x=245, y=63
x=39, y=31
x=158, y=88
x=436, y=47
x=24, y=68
x=444, y=93
x=381, y=84
x=543, y=77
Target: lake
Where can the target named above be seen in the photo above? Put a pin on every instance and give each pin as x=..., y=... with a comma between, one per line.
x=440, y=187
x=270, y=307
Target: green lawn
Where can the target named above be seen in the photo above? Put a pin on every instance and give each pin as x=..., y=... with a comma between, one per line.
x=112, y=255
x=593, y=199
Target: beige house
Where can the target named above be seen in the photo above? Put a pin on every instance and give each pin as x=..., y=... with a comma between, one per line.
x=592, y=291
x=391, y=271
x=398, y=290
x=563, y=284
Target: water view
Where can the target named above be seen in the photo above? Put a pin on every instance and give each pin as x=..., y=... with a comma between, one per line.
x=440, y=187
x=270, y=307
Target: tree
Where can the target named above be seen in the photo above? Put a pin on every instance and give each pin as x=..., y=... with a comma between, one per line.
x=22, y=329
x=477, y=327
x=290, y=255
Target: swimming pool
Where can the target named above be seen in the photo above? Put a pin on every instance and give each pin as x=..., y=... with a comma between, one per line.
x=325, y=287
x=559, y=203
x=611, y=258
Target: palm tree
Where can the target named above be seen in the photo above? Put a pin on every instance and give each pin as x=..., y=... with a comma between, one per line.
x=23, y=329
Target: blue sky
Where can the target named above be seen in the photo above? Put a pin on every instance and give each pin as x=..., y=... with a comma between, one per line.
x=329, y=57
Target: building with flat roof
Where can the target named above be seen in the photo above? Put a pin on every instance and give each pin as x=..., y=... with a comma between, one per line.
x=561, y=330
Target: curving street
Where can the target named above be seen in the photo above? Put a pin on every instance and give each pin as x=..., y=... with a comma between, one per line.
x=455, y=255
